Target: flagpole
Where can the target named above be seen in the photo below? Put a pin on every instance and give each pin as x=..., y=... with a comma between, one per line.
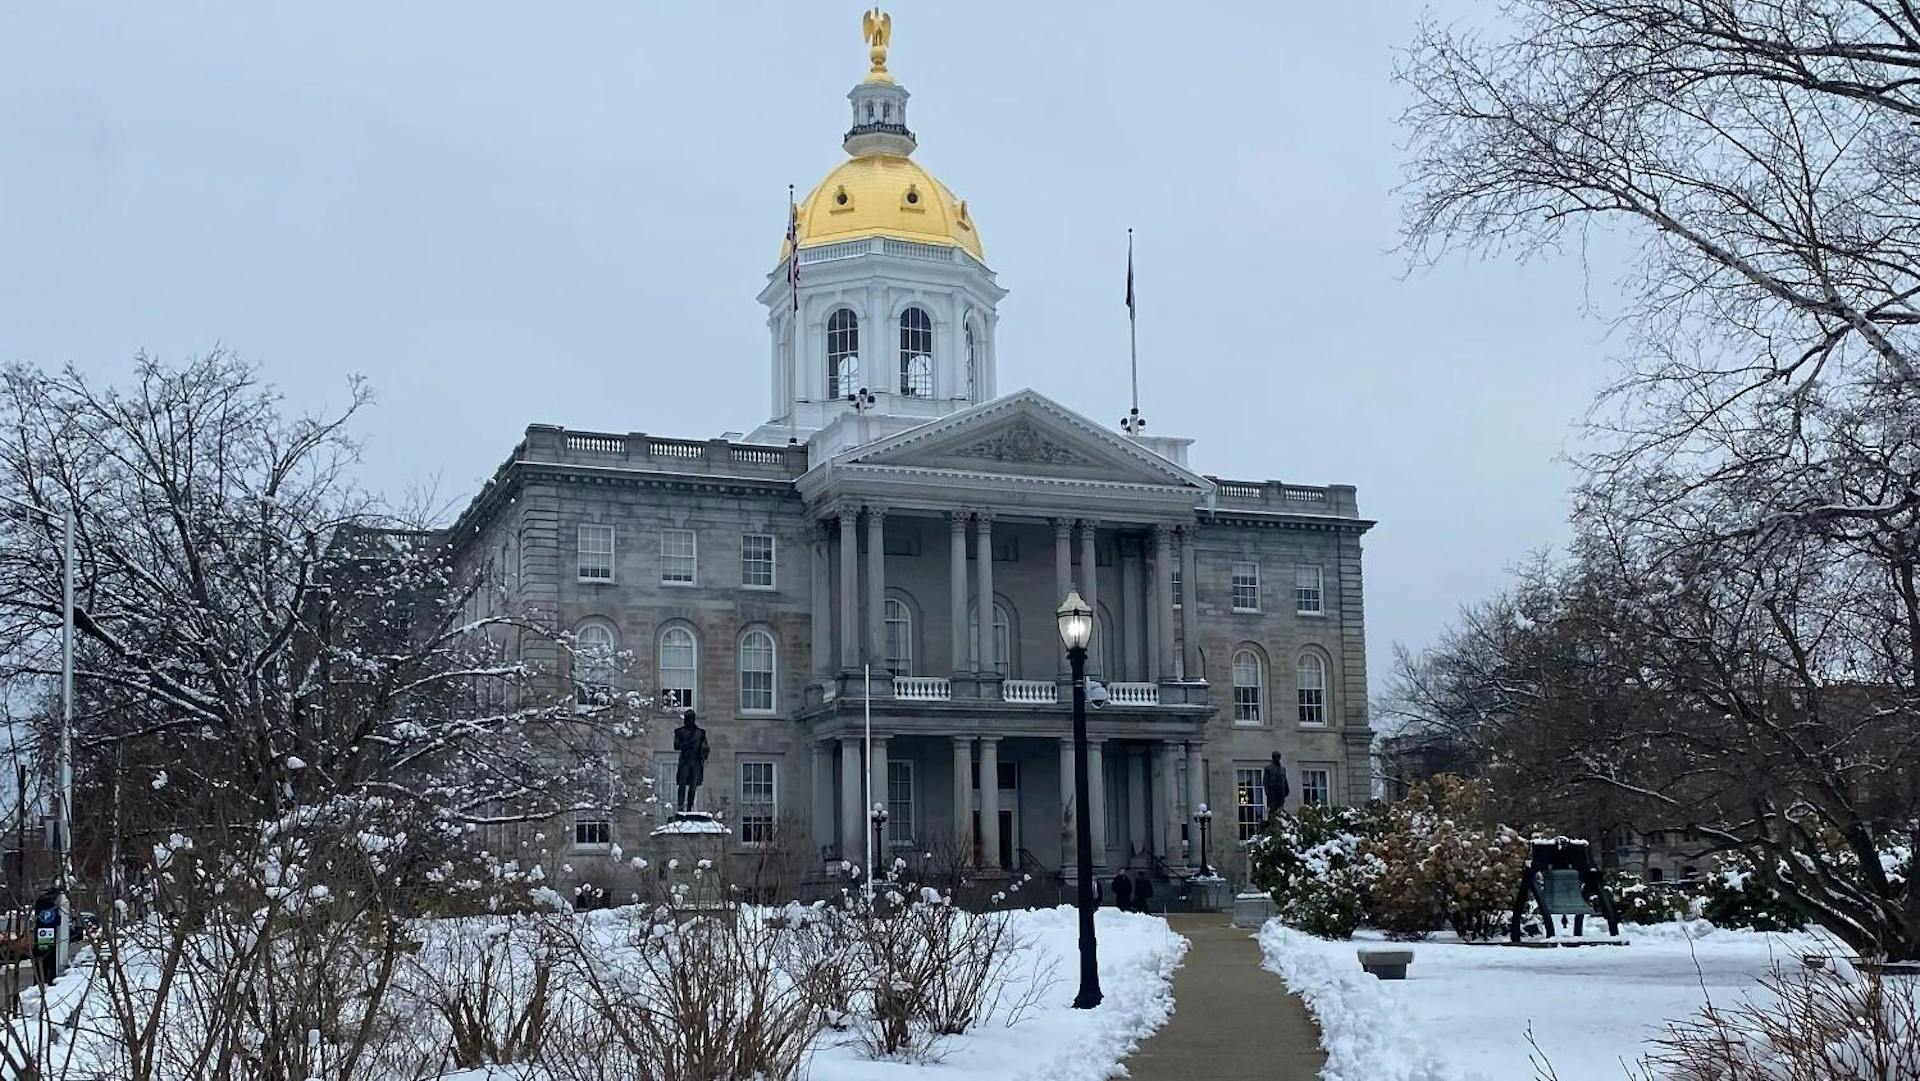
x=1133, y=341
x=863, y=824
x=793, y=320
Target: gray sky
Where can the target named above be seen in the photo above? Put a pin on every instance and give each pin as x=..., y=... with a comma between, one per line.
x=509, y=213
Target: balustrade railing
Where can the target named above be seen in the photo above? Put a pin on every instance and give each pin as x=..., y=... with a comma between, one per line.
x=922, y=689
x=1133, y=694
x=1030, y=691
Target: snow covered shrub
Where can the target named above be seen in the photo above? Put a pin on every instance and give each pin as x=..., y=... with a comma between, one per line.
x=489, y=981
x=1816, y=1025
x=1317, y=867
x=1637, y=901
x=1735, y=896
x=1441, y=864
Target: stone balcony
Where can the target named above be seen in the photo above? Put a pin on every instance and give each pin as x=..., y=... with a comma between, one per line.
x=905, y=704
x=1272, y=496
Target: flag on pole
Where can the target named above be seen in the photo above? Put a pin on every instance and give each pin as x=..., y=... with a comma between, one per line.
x=1129, y=273
x=793, y=248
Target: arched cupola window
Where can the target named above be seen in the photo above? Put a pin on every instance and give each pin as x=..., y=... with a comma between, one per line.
x=916, y=354
x=973, y=366
x=843, y=353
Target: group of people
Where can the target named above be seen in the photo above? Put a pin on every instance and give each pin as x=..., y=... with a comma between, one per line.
x=1132, y=892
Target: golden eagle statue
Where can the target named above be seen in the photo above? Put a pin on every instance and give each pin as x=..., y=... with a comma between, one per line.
x=876, y=29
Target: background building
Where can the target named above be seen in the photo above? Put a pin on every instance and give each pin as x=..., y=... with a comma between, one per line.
x=841, y=556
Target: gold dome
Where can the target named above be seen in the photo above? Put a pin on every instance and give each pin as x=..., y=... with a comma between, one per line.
x=885, y=195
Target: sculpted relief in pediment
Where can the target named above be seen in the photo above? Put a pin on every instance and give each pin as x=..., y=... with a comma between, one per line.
x=1021, y=442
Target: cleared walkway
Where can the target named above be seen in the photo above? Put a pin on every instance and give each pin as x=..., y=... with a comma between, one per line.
x=1232, y=1020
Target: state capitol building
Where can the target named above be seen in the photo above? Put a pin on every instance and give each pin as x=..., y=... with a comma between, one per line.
x=899, y=522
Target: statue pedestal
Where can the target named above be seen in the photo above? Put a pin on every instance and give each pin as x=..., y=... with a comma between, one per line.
x=689, y=854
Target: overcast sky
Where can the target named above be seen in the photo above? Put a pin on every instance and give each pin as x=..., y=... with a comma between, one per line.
x=514, y=213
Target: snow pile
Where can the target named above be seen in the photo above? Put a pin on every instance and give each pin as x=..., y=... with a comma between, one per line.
x=1053, y=1041
x=1465, y=1012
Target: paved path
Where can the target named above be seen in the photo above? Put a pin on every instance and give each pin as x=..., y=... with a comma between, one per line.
x=1232, y=1020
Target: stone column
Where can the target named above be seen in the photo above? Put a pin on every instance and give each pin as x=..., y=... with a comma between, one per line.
x=1090, y=591
x=822, y=797
x=1189, y=606
x=821, y=629
x=851, y=820
x=881, y=858
x=1167, y=835
x=849, y=590
x=1097, y=803
x=877, y=587
x=1131, y=611
x=990, y=801
x=1163, y=599
x=963, y=799
x=1062, y=582
x=1068, y=857
x=1196, y=795
x=1138, y=833
x=957, y=587
x=983, y=625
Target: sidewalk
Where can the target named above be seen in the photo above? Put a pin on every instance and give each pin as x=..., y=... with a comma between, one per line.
x=1232, y=1020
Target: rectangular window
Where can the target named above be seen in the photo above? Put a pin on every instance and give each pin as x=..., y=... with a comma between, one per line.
x=1252, y=791
x=758, y=802
x=756, y=560
x=1316, y=786
x=1246, y=587
x=1179, y=587
x=900, y=823
x=1307, y=583
x=677, y=557
x=596, y=553
x=592, y=832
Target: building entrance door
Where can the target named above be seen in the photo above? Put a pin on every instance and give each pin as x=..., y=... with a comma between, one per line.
x=1008, y=811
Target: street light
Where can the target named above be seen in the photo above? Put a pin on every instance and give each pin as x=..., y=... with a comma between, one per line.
x=63, y=759
x=1076, y=630
x=1205, y=817
x=879, y=816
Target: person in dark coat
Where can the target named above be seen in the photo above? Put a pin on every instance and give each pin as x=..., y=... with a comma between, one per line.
x=1122, y=892
x=1142, y=891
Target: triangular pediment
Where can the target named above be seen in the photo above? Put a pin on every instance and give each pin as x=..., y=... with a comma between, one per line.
x=1025, y=434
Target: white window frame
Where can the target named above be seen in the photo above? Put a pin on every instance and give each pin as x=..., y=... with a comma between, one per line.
x=772, y=671
x=1250, y=815
x=905, y=639
x=588, y=820
x=748, y=563
x=660, y=665
x=1252, y=573
x=1307, y=776
x=669, y=575
x=588, y=668
x=1310, y=702
x=1003, y=641
x=1249, y=713
x=1309, y=598
x=900, y=828
x=583, y=552
x=762, y=825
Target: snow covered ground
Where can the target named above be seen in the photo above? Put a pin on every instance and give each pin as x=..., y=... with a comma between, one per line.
x=1138, y=955
x=1464, y=1012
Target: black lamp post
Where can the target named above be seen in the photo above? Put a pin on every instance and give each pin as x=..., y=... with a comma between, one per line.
x=1204, y=816
x=1076, y=630
x=879, y=816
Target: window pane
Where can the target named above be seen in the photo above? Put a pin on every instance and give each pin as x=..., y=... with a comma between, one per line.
x=1312, y=688
x=592, y=831
x=900, y=824
x=916, y=354
x=596, y=553
x=1002, y=641
x=678, y=666
x=899, y=638
x=1252, y=798
x=1307, y=589
x=843, y=354
x=758, y=804
x=677, y=558
x=1247, y=688
x=756, y=560
x=1316, y=787
x=756, y=671
x=595, y=657
x=1246, y=587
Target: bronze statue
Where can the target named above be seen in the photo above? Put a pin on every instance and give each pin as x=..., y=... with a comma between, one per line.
x=876, y=29
x=690, y=740
x=1273, y=778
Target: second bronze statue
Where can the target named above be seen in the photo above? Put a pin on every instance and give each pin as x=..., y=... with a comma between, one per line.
x=690, y=743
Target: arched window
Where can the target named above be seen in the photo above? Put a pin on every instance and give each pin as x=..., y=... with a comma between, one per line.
x=973, y=367
x=1312, y=689
x=679, y=667
x=916, y=354
x=1002, y=640
x=756, y=672
x=899, y=637
x=1249, y=688
x=843, y=353
x=593, y=661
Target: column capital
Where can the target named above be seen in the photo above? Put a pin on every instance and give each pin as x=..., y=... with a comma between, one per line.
x=844, y=510
x=1089, y=524
x=1061, y=526
x=991, y=739
x=875, y=511
x=957, y=519
x=982, y=518
x=1163, y=531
